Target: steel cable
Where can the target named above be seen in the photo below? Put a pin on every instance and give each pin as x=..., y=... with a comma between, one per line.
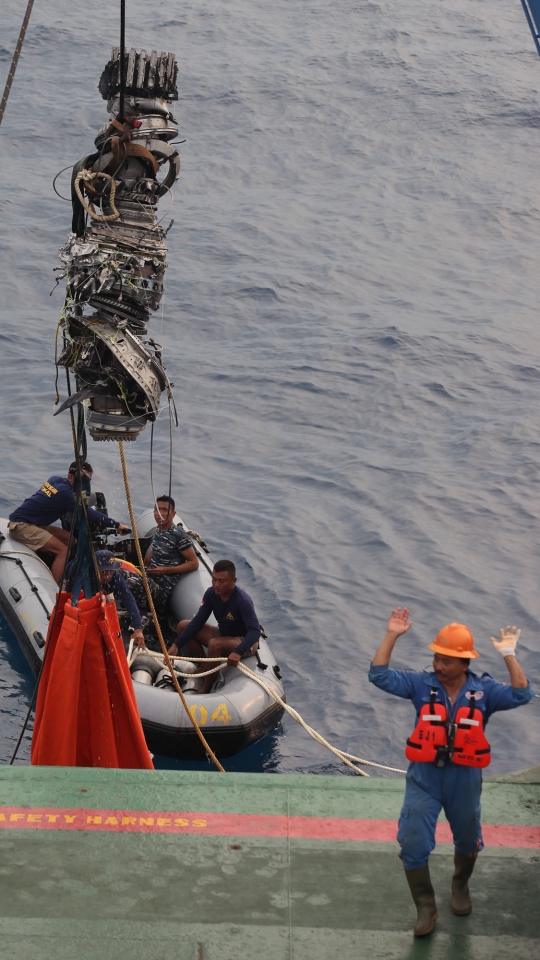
x=15, y=60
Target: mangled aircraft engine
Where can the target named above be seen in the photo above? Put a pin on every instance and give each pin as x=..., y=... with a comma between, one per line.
x=115, y=255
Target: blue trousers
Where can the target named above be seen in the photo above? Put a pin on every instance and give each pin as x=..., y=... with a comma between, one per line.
x=456, y=790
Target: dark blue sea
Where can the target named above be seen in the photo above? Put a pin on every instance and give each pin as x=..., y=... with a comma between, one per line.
x=351, y=322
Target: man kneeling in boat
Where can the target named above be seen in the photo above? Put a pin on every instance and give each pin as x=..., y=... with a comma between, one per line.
x=31, y=523
x=238, y=630
x=112, y=581
x=171, y=555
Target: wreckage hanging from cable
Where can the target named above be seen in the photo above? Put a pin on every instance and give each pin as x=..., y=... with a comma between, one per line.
x=115, y=256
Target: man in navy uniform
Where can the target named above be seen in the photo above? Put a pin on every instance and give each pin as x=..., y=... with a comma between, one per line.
x=238, y=630
x=113, y=582
x=32, y=522
x=171, y=555
x=448, y=743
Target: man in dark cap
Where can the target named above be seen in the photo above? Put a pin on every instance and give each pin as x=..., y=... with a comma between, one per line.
x=113, y=582
x=32, y=522
x=86, y=474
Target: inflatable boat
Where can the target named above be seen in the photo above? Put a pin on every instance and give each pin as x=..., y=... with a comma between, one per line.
x=235, y=713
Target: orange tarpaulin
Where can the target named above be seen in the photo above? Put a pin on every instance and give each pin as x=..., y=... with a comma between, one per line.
x=86, y=712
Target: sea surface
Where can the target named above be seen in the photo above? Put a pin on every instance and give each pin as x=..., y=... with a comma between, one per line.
x=351, y=321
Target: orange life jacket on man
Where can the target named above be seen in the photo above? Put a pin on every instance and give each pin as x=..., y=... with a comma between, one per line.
x=435, y=739
x=430, y=732
x=471, y=748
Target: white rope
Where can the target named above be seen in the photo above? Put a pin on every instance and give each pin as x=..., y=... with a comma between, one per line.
x=184, y=676
x=371, y=763
x=221, y=661
x=296, y=716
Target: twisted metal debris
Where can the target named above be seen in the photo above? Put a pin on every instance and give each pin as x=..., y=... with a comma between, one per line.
x=115, y=256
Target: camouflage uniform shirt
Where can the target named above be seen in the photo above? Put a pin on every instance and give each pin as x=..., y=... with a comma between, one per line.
x=167, y=547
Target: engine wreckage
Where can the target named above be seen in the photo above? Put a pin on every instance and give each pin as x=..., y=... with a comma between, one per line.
x=115, y=256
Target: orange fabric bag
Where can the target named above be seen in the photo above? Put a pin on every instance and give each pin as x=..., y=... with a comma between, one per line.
x=86, y=712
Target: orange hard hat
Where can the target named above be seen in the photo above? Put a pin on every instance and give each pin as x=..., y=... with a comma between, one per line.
x=454, y=640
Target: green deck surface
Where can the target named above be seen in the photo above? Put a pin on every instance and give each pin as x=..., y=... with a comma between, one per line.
x=109, y=896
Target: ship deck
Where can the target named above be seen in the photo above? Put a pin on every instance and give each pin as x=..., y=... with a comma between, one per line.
x=168, y=865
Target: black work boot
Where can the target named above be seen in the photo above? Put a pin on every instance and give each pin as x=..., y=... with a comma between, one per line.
x=424, y=897
x=464, y=866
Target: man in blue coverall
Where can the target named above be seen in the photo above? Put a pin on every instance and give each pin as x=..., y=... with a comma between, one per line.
x=451, y=787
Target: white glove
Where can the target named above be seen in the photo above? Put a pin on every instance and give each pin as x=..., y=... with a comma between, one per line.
x=506, y=646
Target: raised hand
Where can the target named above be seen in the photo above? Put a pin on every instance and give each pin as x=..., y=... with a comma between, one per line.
x=506, y=646
x=399, y=621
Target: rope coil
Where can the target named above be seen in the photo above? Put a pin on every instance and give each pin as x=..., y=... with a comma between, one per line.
x=86, y=176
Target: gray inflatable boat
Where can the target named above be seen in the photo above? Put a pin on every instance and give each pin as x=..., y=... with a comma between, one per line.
x=235, y=713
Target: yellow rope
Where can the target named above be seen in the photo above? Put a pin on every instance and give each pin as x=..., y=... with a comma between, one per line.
x=168, y=661
x=87, y=177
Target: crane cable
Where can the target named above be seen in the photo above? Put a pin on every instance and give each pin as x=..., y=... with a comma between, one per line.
x=165, y=652
x=15, y=60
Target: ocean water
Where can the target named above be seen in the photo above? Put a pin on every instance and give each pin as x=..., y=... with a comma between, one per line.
x=350, y=320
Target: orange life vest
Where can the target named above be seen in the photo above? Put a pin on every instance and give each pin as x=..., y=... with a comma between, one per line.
x=471, y=748
x=430, y=732
x=436, y=740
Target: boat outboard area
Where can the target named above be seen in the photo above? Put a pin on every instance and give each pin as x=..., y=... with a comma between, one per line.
x=27, y=595
x=234, y=714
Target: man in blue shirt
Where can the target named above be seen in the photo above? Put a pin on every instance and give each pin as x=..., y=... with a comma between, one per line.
x=444, y=783
x=32, y=522
x=171, y=555
x=238, y=630
x=112, y=581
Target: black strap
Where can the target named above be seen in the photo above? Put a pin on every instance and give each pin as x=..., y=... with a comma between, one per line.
x=260, y=664
x=34, y=589
x=472, y=706
x=432, y=699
